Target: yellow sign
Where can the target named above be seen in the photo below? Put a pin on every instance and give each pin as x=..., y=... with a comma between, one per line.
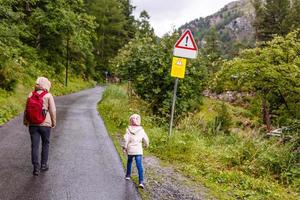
x=178, y=67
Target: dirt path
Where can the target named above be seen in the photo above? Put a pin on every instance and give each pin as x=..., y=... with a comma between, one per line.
x=164, y=183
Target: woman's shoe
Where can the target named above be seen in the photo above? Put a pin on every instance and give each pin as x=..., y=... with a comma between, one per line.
x=35, y=172
x=141, y=185
x=44, y=167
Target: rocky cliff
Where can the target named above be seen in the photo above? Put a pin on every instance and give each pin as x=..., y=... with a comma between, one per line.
x=233, y=24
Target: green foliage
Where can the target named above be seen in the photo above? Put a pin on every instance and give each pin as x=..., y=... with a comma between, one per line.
x=143, y=25
x=275, y=17
x=9, y=107
x=115, y=106
x=130, y=26
x=10, y=46
x=231, y=166
x=272, y=72
x=34, y=37
x=211, y=53
x=294, y=15
x=222, y=121
x=60, y=26
x=115, y=28
x=146, y=63
x=9, y=74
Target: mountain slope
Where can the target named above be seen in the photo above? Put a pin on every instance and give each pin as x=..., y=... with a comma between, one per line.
x=233, y=24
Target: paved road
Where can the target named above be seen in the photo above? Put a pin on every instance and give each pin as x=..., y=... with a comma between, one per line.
x=84, y=164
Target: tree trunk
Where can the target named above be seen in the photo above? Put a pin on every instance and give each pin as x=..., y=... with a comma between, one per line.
x=284, y=101
x=38, y=41
x=266, y=114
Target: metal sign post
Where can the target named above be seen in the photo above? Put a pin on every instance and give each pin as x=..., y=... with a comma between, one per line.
x=185, y=47
x=178, y=71
x=173, y=106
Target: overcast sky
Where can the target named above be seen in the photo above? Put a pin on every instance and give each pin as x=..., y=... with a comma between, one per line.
x=165, y=14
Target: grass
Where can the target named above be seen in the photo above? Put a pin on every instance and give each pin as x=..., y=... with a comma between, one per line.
x=225, y=164
x=209, y=110
x=232, y=166
x=13, y=103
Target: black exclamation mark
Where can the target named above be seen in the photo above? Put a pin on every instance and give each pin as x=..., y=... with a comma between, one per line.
x=186, y=41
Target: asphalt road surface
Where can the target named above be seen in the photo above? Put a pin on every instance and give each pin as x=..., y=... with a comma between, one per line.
x=84, y=164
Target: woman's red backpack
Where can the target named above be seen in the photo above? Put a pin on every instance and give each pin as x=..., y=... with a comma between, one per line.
x=34, y=108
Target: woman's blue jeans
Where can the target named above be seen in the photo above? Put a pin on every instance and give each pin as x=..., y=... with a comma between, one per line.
x=139, y=166
x=37, y=132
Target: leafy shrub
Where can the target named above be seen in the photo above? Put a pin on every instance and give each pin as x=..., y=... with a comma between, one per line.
x=221, y=122
x=9, y=74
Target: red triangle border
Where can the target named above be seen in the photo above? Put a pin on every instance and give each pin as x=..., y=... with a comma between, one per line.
x=187, y=32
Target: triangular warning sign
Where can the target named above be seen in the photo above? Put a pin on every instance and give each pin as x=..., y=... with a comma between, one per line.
x=186, y=41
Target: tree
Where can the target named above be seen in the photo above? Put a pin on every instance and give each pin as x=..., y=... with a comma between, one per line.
x=54, y=24
x=272, y=72
x=112, y=30
x=271, y=18
x=294, y=15
x=211, y=52
x=143, y=24
x=130, y=26
x=258, y=20
x=11, y=62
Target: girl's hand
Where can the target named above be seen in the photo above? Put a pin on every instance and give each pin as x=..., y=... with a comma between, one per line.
x=124, y=150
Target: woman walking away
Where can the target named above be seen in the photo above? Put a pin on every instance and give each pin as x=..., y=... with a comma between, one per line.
x=134, y=137
x=40, y=116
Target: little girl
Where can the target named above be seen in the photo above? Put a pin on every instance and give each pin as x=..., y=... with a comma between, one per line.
x=134, y=137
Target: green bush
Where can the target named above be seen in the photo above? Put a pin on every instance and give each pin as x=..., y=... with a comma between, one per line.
x=221, y=122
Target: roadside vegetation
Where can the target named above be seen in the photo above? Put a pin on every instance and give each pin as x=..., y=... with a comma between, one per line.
x=232, y=166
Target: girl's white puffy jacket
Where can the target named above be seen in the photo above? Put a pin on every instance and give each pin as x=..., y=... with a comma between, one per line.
x=134, y=137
